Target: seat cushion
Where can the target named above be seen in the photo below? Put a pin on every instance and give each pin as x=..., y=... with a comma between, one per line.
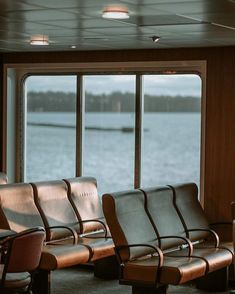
x=100, y=247
x=215, y=258
x=225, y=245
x=175, y=270
x=16, y=280
x=63, y=255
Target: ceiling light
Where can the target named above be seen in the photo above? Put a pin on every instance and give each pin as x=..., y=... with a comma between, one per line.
x=40, y=40
x=116, y=12
x=155, y=39
x=73, y=47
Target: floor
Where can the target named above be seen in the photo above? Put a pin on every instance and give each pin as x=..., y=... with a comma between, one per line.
x=82, y=281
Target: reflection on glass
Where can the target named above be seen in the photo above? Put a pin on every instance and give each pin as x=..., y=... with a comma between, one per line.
x=171, y=142
x=51, y=127
x=108, y=153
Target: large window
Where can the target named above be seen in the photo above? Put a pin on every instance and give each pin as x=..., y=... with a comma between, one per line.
x=102, y=140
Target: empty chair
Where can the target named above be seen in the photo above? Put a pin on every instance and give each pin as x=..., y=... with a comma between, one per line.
x=83, y=195
x=161, y=210
x=18, y=212
x=3, y=178
x=21, y=255
x=142, y=263
x=56, y=211
x=193, y=216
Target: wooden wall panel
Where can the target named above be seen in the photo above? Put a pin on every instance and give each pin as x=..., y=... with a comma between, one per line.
x=1, y=114
x=220, y=110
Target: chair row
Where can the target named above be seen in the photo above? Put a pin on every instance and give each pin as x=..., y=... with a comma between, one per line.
x=162, y=237
x=71, y=213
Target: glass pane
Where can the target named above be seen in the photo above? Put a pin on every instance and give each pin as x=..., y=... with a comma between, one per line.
x=51, y=127
x=172, y=124
x=108, y=153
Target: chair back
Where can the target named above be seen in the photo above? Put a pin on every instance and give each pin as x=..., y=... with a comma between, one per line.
x=24, y=250
x=83, y=195
x=18, y=211
x=129, y=223
x=163, y=215
x=55, y=208
x=190, y=210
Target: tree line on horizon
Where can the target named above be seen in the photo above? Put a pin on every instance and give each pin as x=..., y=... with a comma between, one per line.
x=114, y=102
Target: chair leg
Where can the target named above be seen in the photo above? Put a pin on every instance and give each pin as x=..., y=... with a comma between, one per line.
x=42, y=282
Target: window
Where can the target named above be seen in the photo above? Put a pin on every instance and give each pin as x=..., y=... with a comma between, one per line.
x=108, y=153
x=172, y=129
x=50, y=143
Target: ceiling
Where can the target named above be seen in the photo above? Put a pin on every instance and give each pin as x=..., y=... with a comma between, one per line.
x=179, y=23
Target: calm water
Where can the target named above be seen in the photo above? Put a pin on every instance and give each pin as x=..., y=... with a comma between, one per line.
x=170, y=151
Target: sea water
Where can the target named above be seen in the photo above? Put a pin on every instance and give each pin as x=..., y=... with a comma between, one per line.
x=170, y=148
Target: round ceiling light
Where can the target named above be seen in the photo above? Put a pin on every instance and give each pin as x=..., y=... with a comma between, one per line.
x=39, y=40
x=115, y=12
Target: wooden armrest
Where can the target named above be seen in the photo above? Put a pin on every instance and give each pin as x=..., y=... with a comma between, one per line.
x=187, y=241
x=71, y=230
x=212, y=232
x=98, y=221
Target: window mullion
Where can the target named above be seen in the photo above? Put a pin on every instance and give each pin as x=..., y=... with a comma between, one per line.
x=79, y=124
x=138, y=129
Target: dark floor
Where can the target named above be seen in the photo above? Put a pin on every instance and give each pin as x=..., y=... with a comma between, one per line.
x=82, y=281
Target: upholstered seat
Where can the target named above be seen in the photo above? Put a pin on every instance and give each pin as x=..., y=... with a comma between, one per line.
x=83, y=195
x=21, y=256
x=193, y=217
x=56, y=256
x=142, y=263
x=16, y=280
x=161, y=210
x=56, y=210
x=174, y=271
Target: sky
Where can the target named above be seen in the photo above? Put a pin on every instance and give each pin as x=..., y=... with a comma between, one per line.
x=184, y=85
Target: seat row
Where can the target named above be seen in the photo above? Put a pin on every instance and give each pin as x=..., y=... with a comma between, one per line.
x=162, y=237
x=71, y=213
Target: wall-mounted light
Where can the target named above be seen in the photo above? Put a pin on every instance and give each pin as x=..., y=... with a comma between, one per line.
x=115, y=12
x=155, y=39
x=39, y=40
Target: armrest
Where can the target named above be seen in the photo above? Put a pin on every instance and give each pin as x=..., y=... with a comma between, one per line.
x=156, y=249
x=212, y=232
x=97, y=221
x=71, y=230
x=187, y=241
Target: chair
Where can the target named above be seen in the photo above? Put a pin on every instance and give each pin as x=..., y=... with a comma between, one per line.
x=142, y=263
x=83, y=195
x=21, y=255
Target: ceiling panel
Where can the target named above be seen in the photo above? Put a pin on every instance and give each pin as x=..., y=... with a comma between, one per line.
x=179, y=23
